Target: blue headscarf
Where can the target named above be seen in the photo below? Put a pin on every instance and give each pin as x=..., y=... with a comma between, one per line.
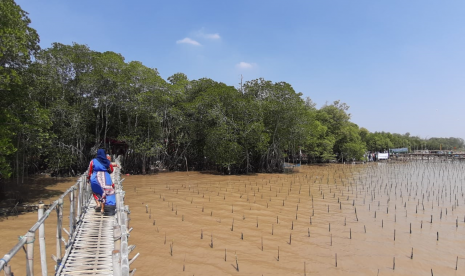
x=102, y=158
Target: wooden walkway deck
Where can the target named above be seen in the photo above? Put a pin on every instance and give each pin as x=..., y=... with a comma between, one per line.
x=91, y=252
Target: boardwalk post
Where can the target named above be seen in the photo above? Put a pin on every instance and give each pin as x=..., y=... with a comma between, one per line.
x=43, y=254
x=116, y=262
x=117, y=237
x=59, y=230
x=30, y=237
x=124, y=251
x=80, y=197
x=7, y=270
x=72, y=217
x=126, y=215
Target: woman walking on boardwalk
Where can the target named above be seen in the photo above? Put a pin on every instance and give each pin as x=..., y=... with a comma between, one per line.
x=100, y=179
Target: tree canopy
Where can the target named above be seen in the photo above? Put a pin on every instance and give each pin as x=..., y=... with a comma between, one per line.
x=60, y=104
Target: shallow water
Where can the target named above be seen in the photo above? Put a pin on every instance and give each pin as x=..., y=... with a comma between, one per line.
x=310, y=216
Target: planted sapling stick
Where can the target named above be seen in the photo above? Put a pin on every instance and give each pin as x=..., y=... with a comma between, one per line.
x=237, y=264
x=211, y=241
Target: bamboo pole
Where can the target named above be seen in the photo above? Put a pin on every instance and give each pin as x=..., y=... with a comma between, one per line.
x=79, y=198
x=43, y=254
x=116, y=255
x=124, y=252
x=59, y=209
x=72, y=218
x=30, y=236
x=7, y=270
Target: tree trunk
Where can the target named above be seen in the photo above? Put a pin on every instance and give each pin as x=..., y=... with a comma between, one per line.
x=247, y=167
x=143, y=164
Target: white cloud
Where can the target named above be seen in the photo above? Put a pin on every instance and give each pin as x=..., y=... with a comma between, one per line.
x=212, y=36
x=188, y=41
x=245, y=65
x=201, y=33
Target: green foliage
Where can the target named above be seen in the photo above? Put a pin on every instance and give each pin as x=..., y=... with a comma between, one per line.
x=23, y=122
x=58, y=105
x=18, y=42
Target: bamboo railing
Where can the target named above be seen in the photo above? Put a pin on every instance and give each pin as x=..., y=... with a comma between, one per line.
x=79, y=198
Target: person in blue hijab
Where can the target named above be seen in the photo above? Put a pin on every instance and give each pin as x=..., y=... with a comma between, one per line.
x=100, y=180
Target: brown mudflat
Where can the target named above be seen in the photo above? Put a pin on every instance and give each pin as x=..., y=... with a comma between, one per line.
x=310, y=216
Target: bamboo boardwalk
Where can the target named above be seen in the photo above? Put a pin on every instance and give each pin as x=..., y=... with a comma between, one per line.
x=97, y=242
x=91, y=252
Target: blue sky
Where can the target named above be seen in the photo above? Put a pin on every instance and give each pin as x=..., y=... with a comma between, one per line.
x=399, y=65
